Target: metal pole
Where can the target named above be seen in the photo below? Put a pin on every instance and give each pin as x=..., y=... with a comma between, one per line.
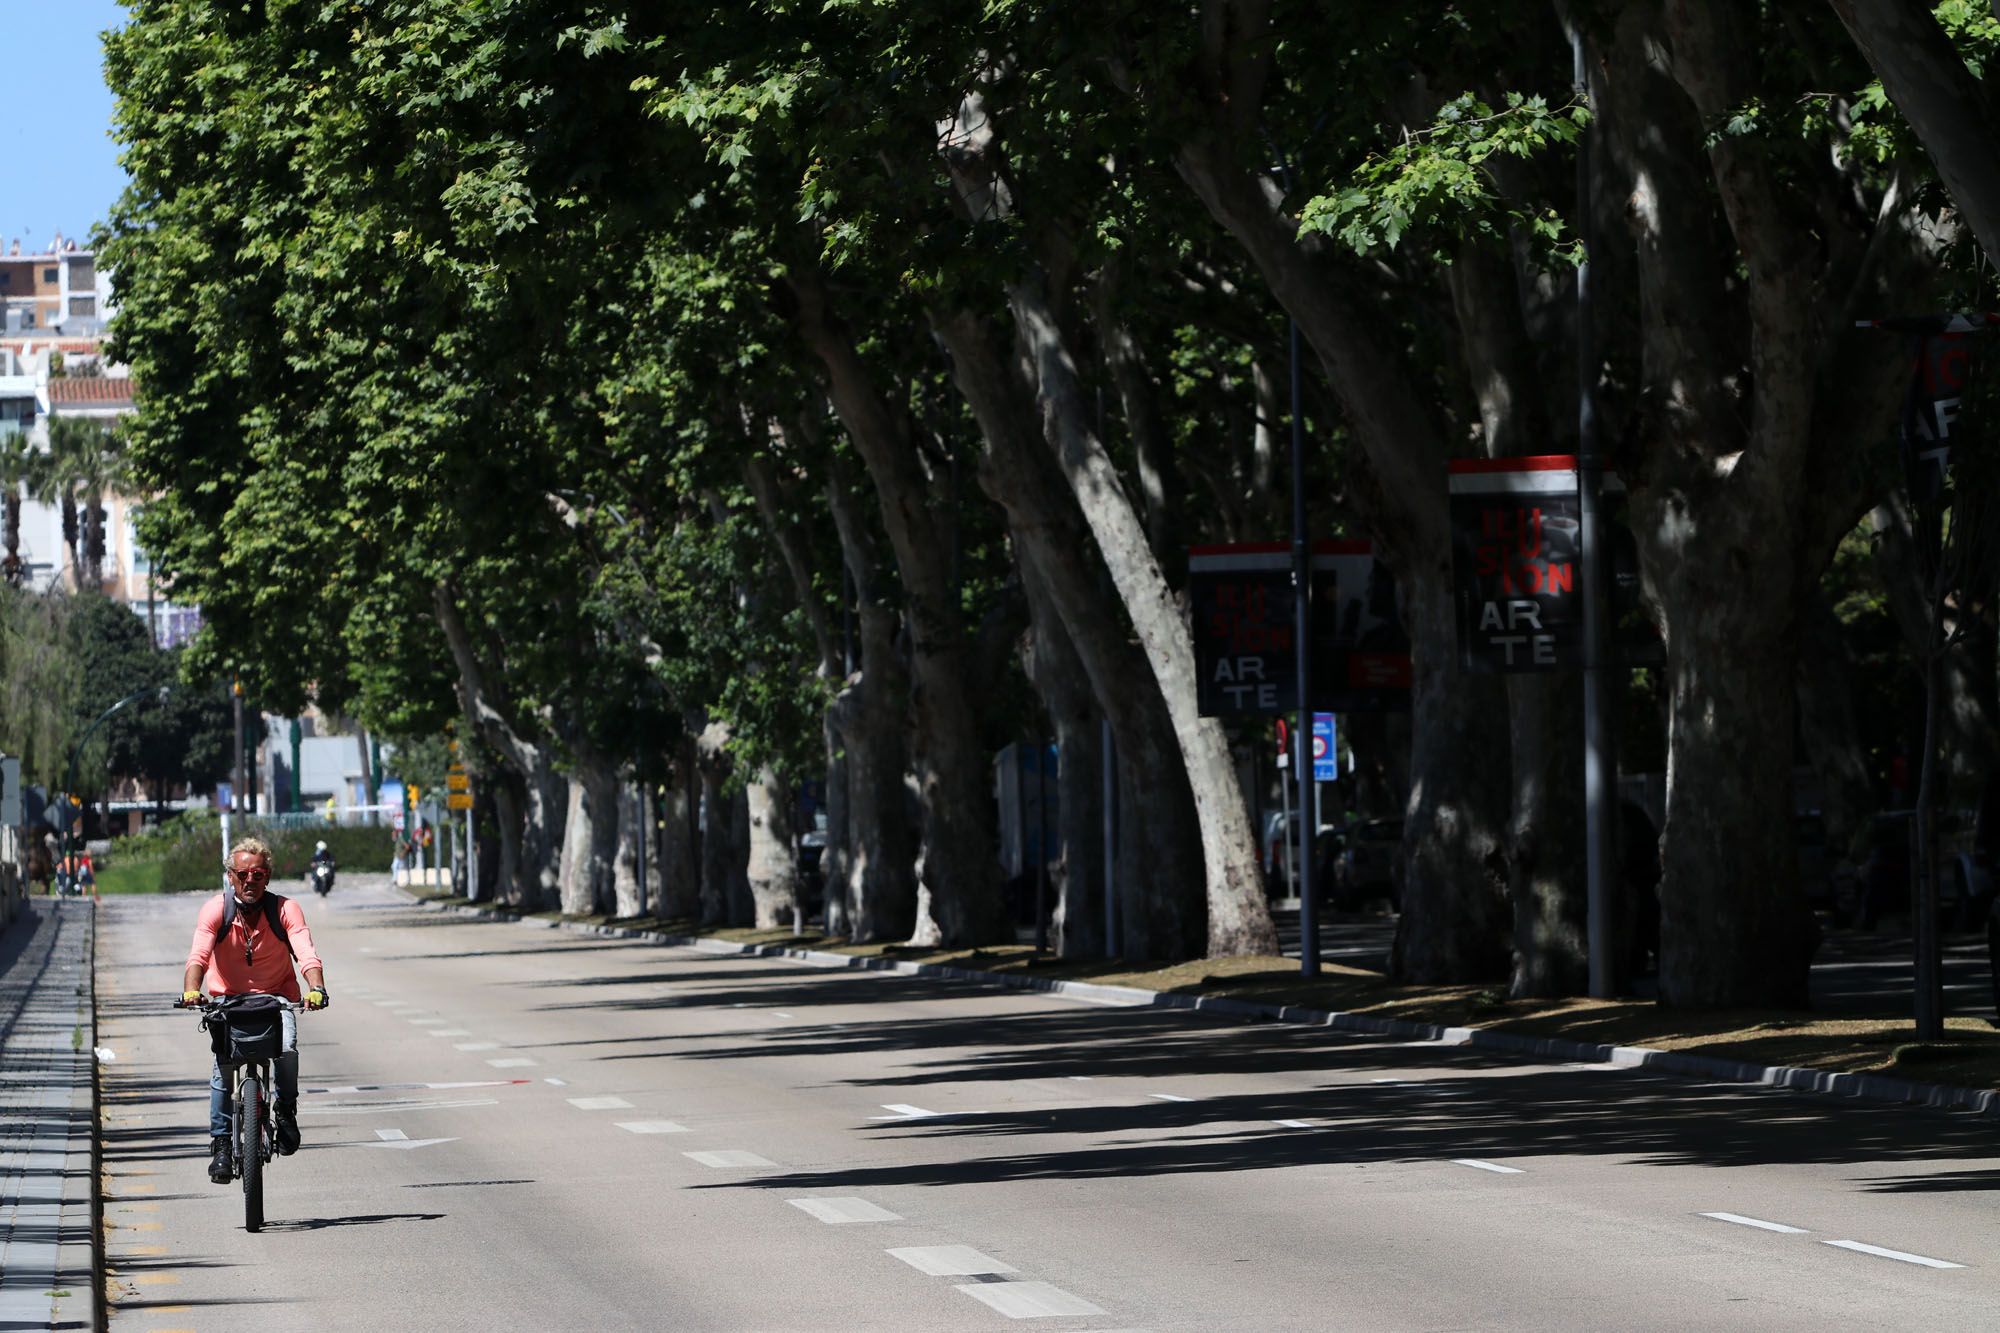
x=1110, y=840
x=1041, y=848
x=298, y=742
x=644, y=828
x=236, y=766
x=1302, y=643
x=471, y=857
x=1599, y=761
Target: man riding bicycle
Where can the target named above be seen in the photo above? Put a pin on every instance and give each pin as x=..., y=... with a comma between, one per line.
x=241, y=947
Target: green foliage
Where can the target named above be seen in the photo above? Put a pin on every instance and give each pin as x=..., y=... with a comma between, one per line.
x=192, y=862
x=41, y=683
x=1438, y=180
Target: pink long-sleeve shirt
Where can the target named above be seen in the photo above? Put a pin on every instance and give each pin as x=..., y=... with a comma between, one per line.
x=269, y=970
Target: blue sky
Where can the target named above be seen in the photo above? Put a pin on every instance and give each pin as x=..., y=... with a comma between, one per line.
x=62, y=168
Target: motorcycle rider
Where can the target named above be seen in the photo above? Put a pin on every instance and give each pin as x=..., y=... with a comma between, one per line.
x=322, y=857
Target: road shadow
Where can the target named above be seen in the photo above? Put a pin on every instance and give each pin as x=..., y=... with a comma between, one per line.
x=357, y=1220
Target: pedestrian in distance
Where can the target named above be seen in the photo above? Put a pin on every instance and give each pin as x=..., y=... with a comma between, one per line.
x=248, y=941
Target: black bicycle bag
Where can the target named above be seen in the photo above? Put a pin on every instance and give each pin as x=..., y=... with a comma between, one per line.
x=249, y=1028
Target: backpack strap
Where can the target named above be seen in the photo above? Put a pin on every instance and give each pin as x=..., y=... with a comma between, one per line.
x=272, y=908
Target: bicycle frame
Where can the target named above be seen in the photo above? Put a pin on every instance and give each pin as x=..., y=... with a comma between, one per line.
x=252, y=1121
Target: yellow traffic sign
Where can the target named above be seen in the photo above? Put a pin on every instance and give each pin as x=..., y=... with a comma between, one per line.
x=457, y=782
x=458, y=800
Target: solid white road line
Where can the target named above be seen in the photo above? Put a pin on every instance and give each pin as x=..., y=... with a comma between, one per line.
x=513, y=1062
x=1028, y=1300
x=476, y=1046
x=902, y=1112
x=600, y=1103
x=1743, y=1221
x=950, y=1260
x=728, y=1157
x=842, y=1210
x=1488, y=1166
x=1168, y=1097
x=1881, y=1253
x=651, y=1127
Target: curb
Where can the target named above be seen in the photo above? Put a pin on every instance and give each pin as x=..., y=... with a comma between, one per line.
x=1860, y=1087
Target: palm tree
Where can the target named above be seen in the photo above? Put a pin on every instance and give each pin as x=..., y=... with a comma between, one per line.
x=17, y=462
x=100, y=470
x=81, y=463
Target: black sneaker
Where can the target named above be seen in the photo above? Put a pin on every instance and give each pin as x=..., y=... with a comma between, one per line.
x=218, y=1161
x=288, y=1129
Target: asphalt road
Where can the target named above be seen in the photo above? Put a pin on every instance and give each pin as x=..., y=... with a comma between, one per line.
x=520, y=1128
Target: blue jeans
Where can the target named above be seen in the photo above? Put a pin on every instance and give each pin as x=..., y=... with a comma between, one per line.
x=288, y=1079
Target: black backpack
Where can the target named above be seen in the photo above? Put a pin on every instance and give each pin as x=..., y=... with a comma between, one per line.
x=272, y=907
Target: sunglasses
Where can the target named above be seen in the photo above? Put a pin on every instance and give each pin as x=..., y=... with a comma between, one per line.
x=254, y=875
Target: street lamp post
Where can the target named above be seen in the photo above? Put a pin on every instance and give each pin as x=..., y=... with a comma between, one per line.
x=70, y=839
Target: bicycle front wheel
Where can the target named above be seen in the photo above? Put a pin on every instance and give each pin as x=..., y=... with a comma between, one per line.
x=249, y=1155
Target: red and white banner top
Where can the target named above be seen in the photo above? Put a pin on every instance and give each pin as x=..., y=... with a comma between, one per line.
x=1541, y=474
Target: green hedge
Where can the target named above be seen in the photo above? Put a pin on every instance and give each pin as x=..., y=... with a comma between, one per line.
x=192, y=862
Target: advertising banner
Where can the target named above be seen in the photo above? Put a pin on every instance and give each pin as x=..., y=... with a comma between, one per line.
x=1516, y=525
x=1242, y=607
x=1942, y=366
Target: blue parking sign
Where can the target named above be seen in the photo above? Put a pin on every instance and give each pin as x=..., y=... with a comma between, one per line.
x=1326, y=765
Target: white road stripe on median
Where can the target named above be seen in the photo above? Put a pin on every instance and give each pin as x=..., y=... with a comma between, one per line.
x=1743, y=1221
x=1898, y=1255
x=651, y=1127
x=843, y=1210
x=1028, y=1300
x=903, y=1111
x=950, y=1260
x=1488, y=1166
x=728, y=1157
x=1168, y=1097
x=600, y=1103
x=1293, y=1124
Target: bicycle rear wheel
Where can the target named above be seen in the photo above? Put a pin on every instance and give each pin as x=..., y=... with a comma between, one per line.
x=249, y=1154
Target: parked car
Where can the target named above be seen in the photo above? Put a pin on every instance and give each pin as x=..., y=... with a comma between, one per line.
x=1368, y=864
x=1882, y=882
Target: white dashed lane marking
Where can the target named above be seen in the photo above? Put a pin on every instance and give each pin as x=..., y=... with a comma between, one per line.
x=843, y=1210
x=1028, y=1300
x=1168, y=1097
x=903, y=1111
x=950, y=1260
x=651, y=1127
x=1898, y=1255
x=1760, y=1224
x=450, y=1032
x=1487, y=1166
x=513, y=1062
x=390, y=1134
x=600, y=1103
x=728, y=1157
x=476, y=1046
x=1293, y=1124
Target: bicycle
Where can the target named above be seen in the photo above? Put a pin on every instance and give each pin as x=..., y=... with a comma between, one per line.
x=246, y=1033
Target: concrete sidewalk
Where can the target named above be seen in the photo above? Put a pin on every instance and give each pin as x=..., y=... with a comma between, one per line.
x=46, y=1113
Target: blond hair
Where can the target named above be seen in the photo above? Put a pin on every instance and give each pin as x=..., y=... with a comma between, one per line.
x=255, y=846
